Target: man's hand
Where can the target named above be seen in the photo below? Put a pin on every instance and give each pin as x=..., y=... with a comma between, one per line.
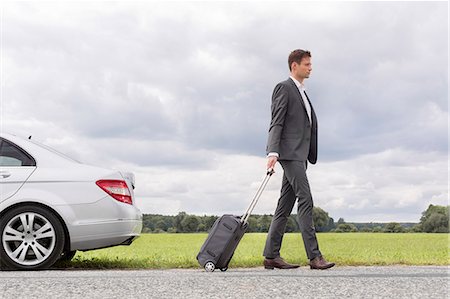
x=271, y=161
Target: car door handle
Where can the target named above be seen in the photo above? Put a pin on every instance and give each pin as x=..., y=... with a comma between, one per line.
x=4, y=174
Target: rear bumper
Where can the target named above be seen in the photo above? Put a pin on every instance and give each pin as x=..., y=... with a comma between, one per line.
x=94, y=235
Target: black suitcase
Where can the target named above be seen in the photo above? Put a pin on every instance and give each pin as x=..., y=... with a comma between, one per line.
x=225, y=234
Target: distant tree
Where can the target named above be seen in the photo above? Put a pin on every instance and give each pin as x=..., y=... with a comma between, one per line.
x=331, y=225
x=209, y=221
x=393, y=227
x=291, y=225
x=366, y=229
x=377, y=229
x=264, y=223
x=148, y=223
x=408, y=229
x=182, y=222
x=168, y=220
x=346, y=228
x=201, y=227
x=252, y=224
x=417, y=228
x=177, y=221
x=340, y=221
x=190, y=223
x=435, y=219
x=161, y=225
x=320, y=218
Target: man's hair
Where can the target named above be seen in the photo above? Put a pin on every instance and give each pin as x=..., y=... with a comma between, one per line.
x=297, y=55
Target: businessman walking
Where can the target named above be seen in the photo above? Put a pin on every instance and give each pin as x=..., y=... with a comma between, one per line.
x=293, y=142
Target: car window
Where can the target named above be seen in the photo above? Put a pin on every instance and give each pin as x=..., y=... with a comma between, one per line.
x=12, y=155
x=8, y=161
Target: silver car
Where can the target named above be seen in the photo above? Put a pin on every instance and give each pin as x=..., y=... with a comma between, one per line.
x=51, y=206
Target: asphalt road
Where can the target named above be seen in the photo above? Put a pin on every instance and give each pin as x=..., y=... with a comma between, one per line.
x=339, y=282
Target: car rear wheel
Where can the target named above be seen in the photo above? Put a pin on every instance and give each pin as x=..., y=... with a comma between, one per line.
x=31, y=237
x=67, y=256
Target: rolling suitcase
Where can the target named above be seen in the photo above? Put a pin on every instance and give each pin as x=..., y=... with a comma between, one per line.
x=225, y=234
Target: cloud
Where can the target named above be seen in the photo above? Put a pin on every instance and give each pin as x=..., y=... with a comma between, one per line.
x=175, y=89
x=393, y=182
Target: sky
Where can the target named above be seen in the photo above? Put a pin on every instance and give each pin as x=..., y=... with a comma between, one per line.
x=179, y=93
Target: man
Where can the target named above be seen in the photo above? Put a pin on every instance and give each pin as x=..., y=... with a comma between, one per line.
x=292, y=142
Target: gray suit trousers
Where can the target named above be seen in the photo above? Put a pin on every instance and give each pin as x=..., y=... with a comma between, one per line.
x=295, y=185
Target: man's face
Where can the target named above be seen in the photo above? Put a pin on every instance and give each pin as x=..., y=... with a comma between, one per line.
x=303, y=69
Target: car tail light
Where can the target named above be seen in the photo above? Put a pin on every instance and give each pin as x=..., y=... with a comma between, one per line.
x=117, y=189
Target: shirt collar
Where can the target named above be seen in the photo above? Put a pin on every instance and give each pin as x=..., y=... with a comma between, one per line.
x=299, y=85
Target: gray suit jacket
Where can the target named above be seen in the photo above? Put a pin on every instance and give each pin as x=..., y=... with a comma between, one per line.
x=290, y=134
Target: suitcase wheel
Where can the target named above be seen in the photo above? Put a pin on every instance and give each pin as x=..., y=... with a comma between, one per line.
x=210, y=267
x=224, y=269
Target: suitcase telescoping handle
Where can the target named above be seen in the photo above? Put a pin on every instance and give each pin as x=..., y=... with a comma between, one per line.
x=252, y=205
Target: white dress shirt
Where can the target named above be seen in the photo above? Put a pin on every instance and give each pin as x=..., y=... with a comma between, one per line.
x=302, y=89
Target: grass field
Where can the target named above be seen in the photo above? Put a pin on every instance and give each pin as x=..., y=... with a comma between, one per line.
x=160, y=251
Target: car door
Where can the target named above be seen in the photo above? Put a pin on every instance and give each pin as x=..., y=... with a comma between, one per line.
x=16, y=166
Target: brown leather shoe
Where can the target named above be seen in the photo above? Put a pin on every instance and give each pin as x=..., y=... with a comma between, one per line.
x=320, y=263
x=279, y=263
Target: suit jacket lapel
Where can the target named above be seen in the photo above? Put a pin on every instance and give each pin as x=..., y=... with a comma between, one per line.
x=313, y=114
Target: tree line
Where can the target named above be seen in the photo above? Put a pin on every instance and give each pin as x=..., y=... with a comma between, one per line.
x=434, y=220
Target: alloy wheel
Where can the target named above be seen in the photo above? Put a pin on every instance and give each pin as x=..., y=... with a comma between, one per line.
x=29, y=238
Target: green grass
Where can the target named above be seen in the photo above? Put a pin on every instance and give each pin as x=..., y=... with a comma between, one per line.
x=162, y=251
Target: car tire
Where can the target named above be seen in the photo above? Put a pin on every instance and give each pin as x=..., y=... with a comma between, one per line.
x=31, y=238
x=67, y=256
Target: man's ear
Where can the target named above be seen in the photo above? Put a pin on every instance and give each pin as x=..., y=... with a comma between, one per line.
x=294, y=64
